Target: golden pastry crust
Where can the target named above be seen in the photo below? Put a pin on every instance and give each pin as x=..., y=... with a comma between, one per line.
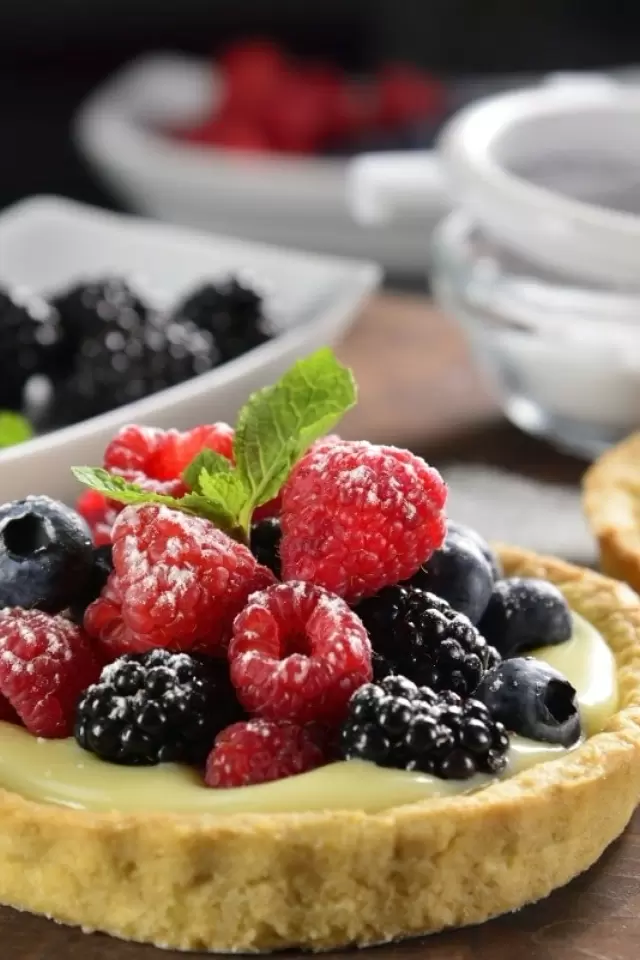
x=319, y=881
x=611, y=499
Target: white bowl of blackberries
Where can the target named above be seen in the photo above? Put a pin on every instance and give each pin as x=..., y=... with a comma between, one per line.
x=98, y=344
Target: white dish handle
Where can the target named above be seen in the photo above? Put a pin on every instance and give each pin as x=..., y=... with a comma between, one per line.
x=386, y=187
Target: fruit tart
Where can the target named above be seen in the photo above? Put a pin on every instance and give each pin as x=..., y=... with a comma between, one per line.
x=611, y=498
x=259, y=692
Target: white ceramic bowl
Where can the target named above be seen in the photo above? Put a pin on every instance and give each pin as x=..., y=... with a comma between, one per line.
x=293, y=201
x=46, y=243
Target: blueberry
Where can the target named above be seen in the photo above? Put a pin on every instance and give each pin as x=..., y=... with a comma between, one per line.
x=532, y=699
x=459, y=574
x=470, y=534
x=523, y=614
x=45, y=554
x=101, y=567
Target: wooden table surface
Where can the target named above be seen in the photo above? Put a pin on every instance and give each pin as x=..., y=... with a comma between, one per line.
x=418, y=388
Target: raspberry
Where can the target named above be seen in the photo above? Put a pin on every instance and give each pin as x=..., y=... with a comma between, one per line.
x=298, y=653
x=357, y=517
x=177, y=582
x=45, y=664
x=7, y=713
x=155, y=458
x=259, y=750
x=100, y=515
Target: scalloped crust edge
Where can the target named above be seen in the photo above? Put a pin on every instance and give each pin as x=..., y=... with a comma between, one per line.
x=320, y=881
x=611, y=501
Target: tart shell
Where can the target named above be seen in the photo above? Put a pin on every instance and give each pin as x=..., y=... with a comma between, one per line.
x=318, y=881
x=611, y=499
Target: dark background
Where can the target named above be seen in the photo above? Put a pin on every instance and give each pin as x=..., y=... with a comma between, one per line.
x=52, y=52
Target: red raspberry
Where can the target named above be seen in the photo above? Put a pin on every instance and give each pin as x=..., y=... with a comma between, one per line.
x=273, y=507
x=45, y=664
x=258, y=751
x=7, y=713
x=357, y=518
x=178, y=582
x=100, y=515
x=155, y=459
x=298, y=653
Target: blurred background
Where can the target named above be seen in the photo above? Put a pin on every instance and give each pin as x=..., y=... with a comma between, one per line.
x=54, y=52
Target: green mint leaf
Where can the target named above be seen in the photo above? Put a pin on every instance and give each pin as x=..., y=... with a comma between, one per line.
x=14, y=429
x=116, y=488
x=207, y=460
x=279, y=423
x=215, y=511
x=226, y=491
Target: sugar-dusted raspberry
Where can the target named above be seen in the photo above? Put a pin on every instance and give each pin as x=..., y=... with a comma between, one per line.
x=100, y=515
x=155, y=458
x=7, y=713
x=298, y=653
x=46, y=662
x=257, y=751
x=273, y=507
x=177, y=582
x=358, y=517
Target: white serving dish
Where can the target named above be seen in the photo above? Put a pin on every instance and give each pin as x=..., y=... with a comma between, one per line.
x=46, y=243
x=297, y=202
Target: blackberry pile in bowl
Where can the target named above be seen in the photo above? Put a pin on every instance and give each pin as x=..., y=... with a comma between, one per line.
x=98, y=345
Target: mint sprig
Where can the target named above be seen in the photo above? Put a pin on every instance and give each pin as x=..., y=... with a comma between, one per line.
x=14, y=429
x=116, y=488
x=274, y=428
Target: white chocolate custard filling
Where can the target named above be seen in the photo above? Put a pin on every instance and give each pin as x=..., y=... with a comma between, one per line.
x=60, y=772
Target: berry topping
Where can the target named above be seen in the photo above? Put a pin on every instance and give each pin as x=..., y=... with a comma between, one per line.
x=178, y=582
x=45, y=554
x=525, y=613
x=298, y=653
x=265, y=543
x=396, y=724
x=155, y=459
x=418, y=635
x=100, y=515
x=468, y=533
x=358, y=517
x=231, y=312
x=156, y=707
x=45, y=664
x=261, y=750
x=532, y=699
x=101, y=567
x=459, y=574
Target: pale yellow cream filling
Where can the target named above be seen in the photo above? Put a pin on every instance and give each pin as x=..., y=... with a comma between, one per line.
x=59, y=772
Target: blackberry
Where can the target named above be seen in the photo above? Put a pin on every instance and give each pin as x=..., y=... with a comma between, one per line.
x=116, y=366
x=397, y=724
x=87, y=308
x=420, y=636
x=31, y=342
x=265, y=543
x=45, y=554
x=156, y=707
x=231, y=311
